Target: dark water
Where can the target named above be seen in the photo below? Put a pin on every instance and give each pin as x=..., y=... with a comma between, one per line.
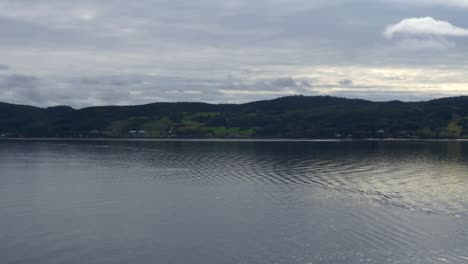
x=233, y=202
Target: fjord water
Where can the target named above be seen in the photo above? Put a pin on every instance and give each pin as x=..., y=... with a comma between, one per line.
x=233, y=202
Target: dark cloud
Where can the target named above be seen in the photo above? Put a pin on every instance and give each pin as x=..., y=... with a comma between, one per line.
x=119, y=83
x=19, y=81
x=306, y=84
x=23, y=88
x=4, y=67
x=346, y=82
x=284, y=82
x=268, y=85
x=88, y=81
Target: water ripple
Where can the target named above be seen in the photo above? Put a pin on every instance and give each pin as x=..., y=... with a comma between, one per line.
x=386, y=183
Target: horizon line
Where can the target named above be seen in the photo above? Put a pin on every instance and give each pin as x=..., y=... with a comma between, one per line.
x=248, y=102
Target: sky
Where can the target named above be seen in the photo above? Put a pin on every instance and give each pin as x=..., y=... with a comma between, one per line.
x=114, y=52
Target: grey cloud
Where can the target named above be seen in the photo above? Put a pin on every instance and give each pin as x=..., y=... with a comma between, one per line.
x=118, y=83
x=124, y=52
x=284, y=82
x=19, y=81
x=306, y=84
x=346, y=82
x=289, y=82
x=273, y=85
x=109, y=81
x=88, y=81
x=148, y=89
x=416, y=44
x=4, y=67
x=23, y=88
x=105, y=90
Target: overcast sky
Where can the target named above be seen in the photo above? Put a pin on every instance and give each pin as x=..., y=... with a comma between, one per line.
x=89, y=52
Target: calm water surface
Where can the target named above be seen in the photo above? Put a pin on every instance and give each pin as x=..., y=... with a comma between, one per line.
x=233, y=202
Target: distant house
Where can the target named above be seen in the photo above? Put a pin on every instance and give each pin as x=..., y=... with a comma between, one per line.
x=381, y=131
x=132, y=132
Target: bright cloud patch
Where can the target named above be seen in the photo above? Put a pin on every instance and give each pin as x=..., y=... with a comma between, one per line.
x=426, y=26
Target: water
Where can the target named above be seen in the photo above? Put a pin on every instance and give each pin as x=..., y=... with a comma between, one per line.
x=233, y=202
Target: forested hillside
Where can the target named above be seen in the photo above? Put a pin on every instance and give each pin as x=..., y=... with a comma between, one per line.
x=287, y=117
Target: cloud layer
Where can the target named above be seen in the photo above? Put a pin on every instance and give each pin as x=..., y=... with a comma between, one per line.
x=88, y=52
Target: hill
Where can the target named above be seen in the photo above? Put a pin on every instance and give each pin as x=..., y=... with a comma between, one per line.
x=286, y=117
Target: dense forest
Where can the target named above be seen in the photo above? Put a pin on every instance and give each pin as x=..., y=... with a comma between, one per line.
x=286, y=117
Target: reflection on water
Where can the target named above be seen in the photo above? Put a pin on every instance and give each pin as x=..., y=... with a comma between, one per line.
x=233, y=202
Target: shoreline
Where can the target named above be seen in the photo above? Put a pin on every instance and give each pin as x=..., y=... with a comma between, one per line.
x=239, y=139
